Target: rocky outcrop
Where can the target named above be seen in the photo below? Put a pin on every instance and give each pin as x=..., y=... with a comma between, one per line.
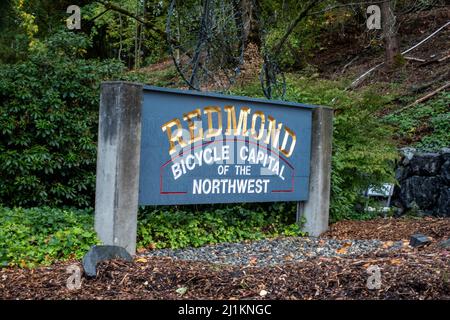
x=424, y=183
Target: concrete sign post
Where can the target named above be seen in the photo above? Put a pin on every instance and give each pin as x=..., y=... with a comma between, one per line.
x=315, y=210
x=118, y=156
x=166, y=147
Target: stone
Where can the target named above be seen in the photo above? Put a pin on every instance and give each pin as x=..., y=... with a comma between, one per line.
x=445, y=244
x=425, y=164
x=419, y=240
x=423, y=191
x=445, y=171
x=408, y=154
x=445, y=154
x=102, y=253
x=443, y=204
x=401, y=173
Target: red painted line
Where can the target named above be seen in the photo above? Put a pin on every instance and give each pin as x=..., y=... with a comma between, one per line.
x=173, y=192
x=292, y=183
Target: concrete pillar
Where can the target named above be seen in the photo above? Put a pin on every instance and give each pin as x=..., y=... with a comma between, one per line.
x=118, y=155
x=316, y=209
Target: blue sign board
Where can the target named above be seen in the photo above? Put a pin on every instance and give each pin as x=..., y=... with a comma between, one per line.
x=211, y=148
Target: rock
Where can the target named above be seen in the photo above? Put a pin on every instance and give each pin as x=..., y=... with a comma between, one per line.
x=263, y=293
x=423, y=191
x=445, y=171
x=445, y=244
x=408, y=154
x=445, y=154
x=443, y=204
x=419, y=240
x=101, y=253
x=401, y=173
x=426, y=164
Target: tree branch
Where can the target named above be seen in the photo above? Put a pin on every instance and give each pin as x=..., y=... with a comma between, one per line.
x=365, y=74
x=148, y=24
x=279, y=45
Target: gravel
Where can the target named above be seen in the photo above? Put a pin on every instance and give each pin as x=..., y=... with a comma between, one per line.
x=270, y=252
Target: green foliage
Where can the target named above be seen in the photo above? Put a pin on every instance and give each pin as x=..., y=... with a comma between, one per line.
x=276, y=16
x=425, y=126
x=35, y=236
x=29, y=237
x=167, y=77
x=48, y=124
x=363, y=151
x=119, y=36
x=177, y=227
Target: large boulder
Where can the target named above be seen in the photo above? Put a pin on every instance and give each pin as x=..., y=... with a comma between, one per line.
x=401, y=173
x=445, y=154
x=425, y=164
x=445, y=171
x=443, y=204
x=102, y=253
x=421, y=192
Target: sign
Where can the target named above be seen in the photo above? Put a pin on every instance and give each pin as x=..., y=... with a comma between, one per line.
x=162, y=146
x=210, y=148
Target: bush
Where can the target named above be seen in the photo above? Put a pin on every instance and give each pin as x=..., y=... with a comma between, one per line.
x=178, y=227
x=41, y=235
x=48, y=124
x=30, y=237
x=363, y=150
x=425, y=126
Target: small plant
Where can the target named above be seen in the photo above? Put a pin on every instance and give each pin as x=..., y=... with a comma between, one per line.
x=29, y=237
x=425, y=126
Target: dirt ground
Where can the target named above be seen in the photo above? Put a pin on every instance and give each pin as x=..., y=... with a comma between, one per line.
x=409, y=273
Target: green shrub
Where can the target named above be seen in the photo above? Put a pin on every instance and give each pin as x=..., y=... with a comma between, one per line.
x=48, y=124
x=178, y=227
x=426, y=125
x=29, y=237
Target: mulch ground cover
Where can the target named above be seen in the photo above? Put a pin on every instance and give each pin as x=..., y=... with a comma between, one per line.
x=391, y=229
x=407, y=273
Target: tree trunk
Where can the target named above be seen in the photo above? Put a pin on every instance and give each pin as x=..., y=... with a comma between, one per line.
x=389, y=28
x=250, y=19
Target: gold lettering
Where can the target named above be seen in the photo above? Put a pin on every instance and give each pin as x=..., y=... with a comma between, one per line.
x=288, y=133
x=197, y=113
x=234, y=127
x=177, y=137
x=256, y=115
x=212, y=132
x=273, y=132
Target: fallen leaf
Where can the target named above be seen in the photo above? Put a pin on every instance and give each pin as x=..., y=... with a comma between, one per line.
x=387, y=244
x=142, y=260
x=396, y=261
x=344, y=248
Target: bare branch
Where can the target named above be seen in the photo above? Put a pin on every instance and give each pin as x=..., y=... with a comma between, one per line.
x=365, y=74
x=148, y=24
